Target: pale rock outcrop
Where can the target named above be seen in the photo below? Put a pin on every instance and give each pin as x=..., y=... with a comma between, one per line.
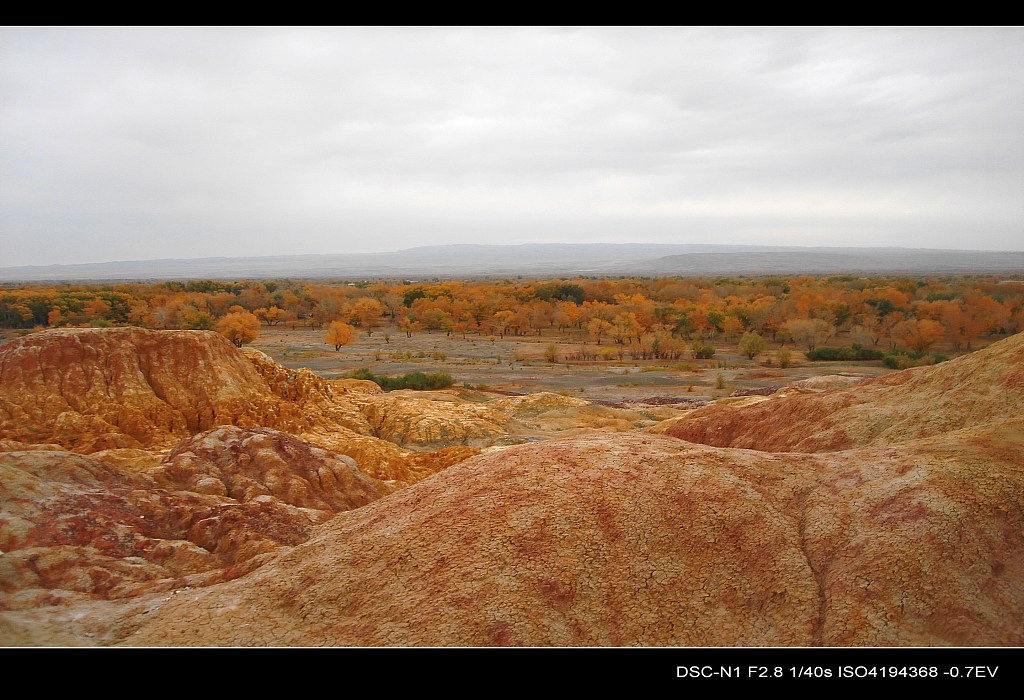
x=421, y=425
x=549, y=413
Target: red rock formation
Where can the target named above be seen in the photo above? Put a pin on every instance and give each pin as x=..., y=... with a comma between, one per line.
x=914, y=537
x=209, y=512
x=74, y=524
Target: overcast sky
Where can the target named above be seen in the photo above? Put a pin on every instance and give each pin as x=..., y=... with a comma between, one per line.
x=125, y=144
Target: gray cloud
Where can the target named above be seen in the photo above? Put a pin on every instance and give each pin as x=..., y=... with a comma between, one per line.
x=145, y=143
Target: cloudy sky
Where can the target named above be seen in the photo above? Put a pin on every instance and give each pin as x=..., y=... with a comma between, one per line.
x=126, y=144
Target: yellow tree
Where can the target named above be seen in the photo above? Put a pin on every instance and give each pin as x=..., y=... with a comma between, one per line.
x=809, y=332
x=626, y=327
x=97, y=309
x=367, y=312
x=239, y=327
x=407, y=326
x=339, y=333
x=732, y=326
x=271, y=316
x=918, y=335
x=598, y=328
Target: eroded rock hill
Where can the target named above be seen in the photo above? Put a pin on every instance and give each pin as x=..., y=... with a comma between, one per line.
x=984, y=387
x=890, y=517
x=75, y=528
x=89, y=389
x=97, y=390
x=627, y=539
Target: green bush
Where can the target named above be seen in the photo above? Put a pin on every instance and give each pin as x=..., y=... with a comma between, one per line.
x=839, y=354
x=752, y=344
x=703, y=352
x=417, y=381
x=901, y=359
x=564, y=291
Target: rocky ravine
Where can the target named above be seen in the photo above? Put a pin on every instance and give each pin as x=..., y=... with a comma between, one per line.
x=909, y=531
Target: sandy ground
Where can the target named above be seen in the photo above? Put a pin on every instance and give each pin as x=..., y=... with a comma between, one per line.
x=517, y=364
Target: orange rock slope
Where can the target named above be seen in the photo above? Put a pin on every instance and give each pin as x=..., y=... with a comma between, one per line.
x=984, y=387
x=914, y=535
x=90, y=390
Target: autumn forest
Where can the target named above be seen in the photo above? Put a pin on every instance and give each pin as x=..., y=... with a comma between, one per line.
x=606, y=319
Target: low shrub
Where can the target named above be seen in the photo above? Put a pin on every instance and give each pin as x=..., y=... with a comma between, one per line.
x=703, y=352
x=417, y=381
x=902, y=359
x=844, y=354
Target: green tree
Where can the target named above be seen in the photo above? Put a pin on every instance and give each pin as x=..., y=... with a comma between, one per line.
x=752, y=344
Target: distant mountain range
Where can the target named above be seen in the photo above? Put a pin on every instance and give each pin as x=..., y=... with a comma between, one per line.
x=542, y=260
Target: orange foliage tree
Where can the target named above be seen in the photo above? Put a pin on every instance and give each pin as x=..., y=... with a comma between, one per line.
x=918, y=335
x=271, y=316
x=240, y=327
x=339, y=333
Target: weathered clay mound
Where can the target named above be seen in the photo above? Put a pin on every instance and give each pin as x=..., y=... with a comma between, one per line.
x=545, y=412
x=322, y=401
x=361, y=386
x=420, y=424
x=534, y=404
x=984, y=387
x=761, y=391
x=433, y=420
x=646, y=540
x=412, y=420
x=827, y=382
x=91, y=389
x=72, y=525
x=123, y=389
x=246, y=463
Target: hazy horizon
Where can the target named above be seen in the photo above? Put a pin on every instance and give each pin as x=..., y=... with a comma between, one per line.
x=551, y=244
x=135, y=144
